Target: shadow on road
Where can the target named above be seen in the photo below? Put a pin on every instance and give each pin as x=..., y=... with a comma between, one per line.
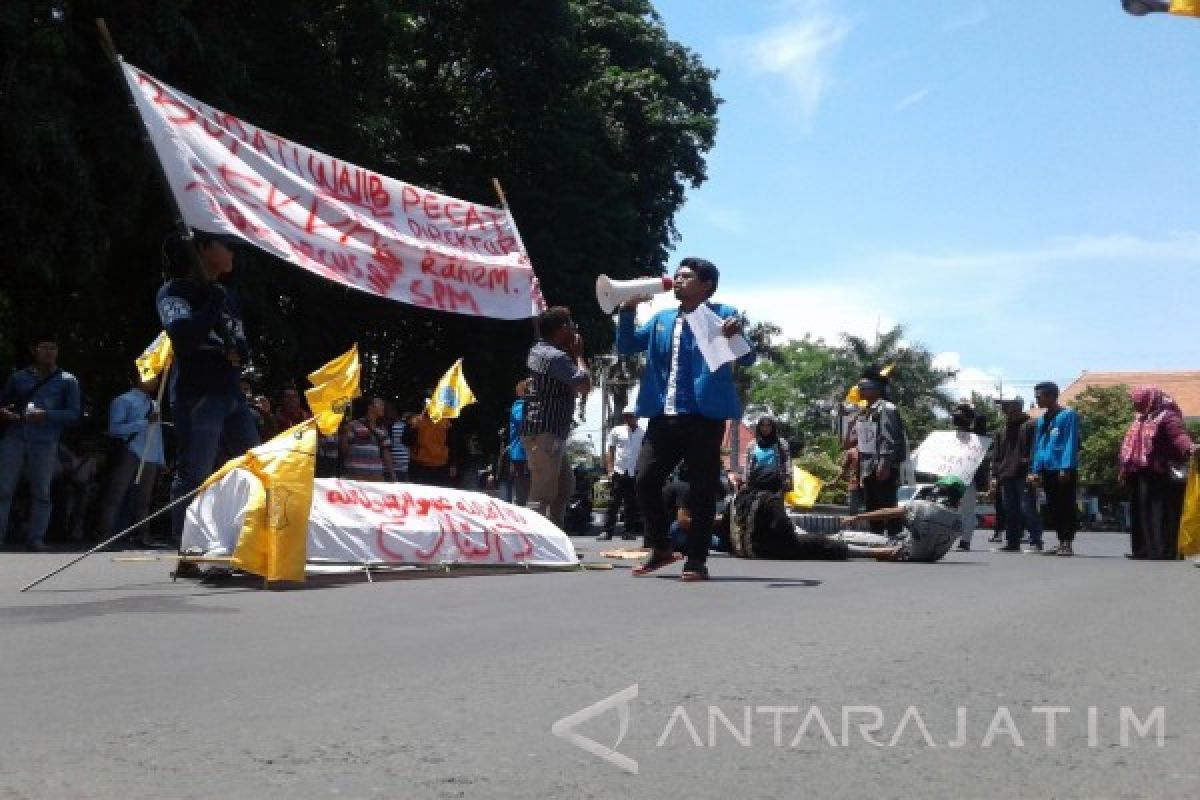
x=69, y=612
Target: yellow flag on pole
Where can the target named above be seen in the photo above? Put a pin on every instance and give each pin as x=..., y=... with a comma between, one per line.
x=451, y=395
x=333, y=387
x=155, y=359
x=274, y=539
x=806, y=487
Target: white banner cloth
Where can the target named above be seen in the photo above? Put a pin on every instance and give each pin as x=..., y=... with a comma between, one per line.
x=389, y=523
x=951, y=453
x=337, y=220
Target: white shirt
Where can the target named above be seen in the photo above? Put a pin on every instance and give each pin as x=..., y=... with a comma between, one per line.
x=625, y=444
x=673, y=378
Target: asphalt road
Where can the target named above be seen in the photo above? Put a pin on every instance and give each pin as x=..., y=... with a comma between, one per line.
x=117, y=683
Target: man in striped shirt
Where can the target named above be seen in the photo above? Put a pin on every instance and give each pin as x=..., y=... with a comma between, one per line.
x=557, y=375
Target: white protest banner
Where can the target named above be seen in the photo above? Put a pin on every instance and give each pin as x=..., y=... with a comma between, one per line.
x=951, y=453
x=340, y=221
x=715, y=346
x=359, y=522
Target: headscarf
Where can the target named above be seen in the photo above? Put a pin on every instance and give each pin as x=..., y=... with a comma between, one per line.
x=1151, y=405
x=769, y=440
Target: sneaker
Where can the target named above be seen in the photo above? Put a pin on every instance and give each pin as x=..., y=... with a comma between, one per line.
x=1008, y=548
x=657, y=560
x=995, y=537
x=1065, y=549
x=1034, y=548
x=693, y=573
x=1052, y=551
x=964, y=546
x=604, y=537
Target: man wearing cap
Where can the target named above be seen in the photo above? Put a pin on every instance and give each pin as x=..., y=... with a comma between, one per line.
x=933, y=520
x=687, y=405
x=882, y=449
x=624, y=445
x=1054, y=464
x=36, y=404
x=209, y=410
x=1010, y=471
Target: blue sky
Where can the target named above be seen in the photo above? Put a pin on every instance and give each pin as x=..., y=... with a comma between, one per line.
x=1018, y=183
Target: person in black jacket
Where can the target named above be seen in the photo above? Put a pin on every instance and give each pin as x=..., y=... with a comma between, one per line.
x=210, y=411
x=1010, y=472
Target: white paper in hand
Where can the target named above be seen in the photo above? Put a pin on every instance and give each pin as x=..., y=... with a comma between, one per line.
x=715, y=346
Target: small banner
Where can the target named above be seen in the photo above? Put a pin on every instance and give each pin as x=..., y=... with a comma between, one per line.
x=334, y=219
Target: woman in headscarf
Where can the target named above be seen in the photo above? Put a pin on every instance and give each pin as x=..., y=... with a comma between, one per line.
x=1155, y=443
x=768, y=458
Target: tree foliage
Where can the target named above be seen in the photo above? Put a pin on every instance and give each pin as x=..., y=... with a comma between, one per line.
x=592, y=118
x=1105, y=413
x=810, y=376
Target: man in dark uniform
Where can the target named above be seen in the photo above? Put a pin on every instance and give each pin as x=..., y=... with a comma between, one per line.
x=210, y=412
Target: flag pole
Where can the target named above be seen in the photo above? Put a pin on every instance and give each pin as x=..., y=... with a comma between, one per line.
x=535, y=285
x=120, y=535
x=181, y=227
x=156, y=426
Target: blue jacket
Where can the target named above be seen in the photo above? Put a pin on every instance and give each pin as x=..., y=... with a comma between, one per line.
x=203, y=320
x=128, y=420
x=58, y=397
x=715, y=392
x=1057, y=447
x=516, y=450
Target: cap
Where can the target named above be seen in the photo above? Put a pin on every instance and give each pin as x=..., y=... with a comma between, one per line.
x=867, y=383
x=953, y=485
x=228, y=239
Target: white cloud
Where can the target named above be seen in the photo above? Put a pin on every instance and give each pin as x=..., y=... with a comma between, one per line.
x=976, y=15
x=800, y=52
x=969, y=379
x=912, y=99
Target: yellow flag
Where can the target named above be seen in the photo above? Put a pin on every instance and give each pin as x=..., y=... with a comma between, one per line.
x=805, y=488
x=451, y=395
x=1186, y=8
x=1189, y=523
x=274, y=538
x=156, y=358
x=333, y=387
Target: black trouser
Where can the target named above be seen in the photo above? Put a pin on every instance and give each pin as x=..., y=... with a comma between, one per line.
x=696, y=441
x=623, y=493
x=881, y=493
x=1156, y=503
x=1060, y=502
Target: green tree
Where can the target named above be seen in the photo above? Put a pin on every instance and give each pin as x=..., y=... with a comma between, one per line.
x=1105, y=413
x=800, y=385
x=594, y=120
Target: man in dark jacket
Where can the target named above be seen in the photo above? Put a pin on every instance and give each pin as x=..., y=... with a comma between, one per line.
x=1010, y=472
x=209, y=409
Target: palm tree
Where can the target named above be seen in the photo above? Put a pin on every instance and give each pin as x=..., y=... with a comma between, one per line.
x=916, y=384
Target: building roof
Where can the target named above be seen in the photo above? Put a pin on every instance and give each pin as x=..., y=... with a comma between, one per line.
x=1183, y=386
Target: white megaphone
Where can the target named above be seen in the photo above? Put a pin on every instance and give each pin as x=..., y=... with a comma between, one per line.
x=610, y=293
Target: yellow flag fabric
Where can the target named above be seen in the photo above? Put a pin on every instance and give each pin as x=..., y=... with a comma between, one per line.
x=333, y=387
x=451, y=395
x=1186, y=8
x=156, y=358
x=1189, y=523
x=805, y=488
x=274, y=537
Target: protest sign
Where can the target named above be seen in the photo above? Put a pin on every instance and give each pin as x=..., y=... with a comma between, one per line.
x=951, y=453
x=334, y=219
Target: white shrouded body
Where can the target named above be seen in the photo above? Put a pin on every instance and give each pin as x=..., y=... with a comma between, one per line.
x=610, y=293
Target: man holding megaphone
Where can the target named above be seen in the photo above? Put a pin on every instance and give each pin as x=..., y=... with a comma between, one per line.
x=687, y=405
